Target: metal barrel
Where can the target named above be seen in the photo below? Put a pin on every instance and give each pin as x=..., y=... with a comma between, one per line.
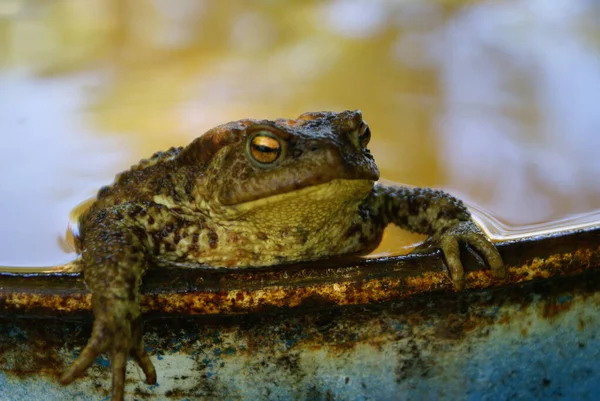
x=342, y=329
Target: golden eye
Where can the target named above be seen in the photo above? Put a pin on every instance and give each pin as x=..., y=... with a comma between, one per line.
x=364, y=135
x=265, y=148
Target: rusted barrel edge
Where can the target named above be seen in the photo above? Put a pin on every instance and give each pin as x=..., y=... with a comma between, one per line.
x=329, y=283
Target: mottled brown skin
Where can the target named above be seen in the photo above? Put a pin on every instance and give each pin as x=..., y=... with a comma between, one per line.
x=248, y=193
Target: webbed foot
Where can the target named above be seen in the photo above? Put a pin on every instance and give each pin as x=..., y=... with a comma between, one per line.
x=120, y=337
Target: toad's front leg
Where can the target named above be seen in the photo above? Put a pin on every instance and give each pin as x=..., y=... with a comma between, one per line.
x=440, y=216
x=113, y=261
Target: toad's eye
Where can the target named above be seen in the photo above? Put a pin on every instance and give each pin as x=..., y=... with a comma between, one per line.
x=364, y=135
x=265, y=148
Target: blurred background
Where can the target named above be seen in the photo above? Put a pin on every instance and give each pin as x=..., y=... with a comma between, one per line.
x=497, y=102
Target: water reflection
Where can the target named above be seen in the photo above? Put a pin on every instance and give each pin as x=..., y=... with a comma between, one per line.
x=521, y=88
x=495, y=101
x=50, y=159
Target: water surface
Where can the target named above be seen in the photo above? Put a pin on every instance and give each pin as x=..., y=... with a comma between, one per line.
x=497, y=102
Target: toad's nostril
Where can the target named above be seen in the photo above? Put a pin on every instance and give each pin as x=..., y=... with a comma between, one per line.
x=314, y=148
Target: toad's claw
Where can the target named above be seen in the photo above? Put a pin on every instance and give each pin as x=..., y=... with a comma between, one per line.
x=140, y=356
x=120, y=341
x=468, y=232
x=95, y=346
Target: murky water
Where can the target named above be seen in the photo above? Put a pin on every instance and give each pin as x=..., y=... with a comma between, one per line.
x=496, y=101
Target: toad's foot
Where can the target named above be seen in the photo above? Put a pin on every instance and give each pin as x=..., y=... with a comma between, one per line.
x=468, y=232
x=120, y=337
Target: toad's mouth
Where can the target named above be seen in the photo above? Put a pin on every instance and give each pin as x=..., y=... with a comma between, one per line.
x=272, y=183
x=333, y=191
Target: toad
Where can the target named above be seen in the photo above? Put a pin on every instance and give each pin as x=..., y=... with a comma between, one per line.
x=248, y=193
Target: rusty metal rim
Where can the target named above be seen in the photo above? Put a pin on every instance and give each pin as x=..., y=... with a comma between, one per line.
x=344, y=281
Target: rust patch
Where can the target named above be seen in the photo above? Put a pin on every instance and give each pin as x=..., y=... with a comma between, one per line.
x=453, y=328
x=336, y=282
x=43, y=347
x=273, y=344
x=555, y=306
